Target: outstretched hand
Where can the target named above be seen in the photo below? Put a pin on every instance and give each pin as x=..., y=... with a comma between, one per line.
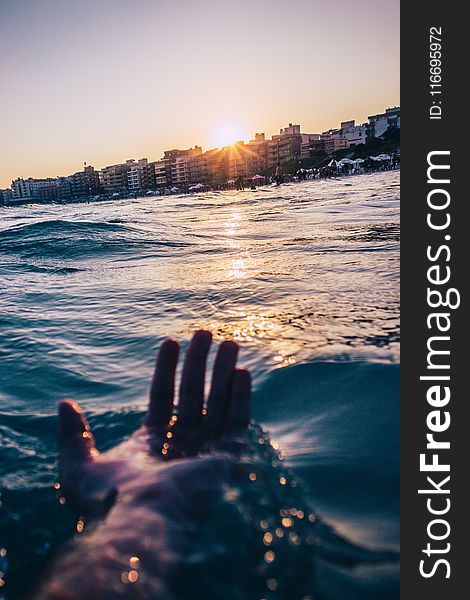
x=91, y=481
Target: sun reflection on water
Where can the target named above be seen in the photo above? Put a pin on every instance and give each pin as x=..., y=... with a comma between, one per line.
x=255, y=328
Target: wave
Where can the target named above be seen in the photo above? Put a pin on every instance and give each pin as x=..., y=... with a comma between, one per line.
x=77, y=239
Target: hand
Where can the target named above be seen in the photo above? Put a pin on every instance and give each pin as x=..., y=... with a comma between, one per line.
x=91, y=481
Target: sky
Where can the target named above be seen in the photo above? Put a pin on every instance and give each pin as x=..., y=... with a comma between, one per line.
x=103, y=81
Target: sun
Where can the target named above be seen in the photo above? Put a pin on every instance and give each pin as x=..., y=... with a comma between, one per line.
x=229, y=132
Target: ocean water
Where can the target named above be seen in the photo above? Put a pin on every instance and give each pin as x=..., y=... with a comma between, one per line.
x=305, y=276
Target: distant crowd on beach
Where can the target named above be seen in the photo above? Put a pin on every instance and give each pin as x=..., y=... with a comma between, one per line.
x=335, y=168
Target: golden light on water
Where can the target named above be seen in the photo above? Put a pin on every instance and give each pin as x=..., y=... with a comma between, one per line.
x=232, y=228
x=239, y=268
x=250, y=326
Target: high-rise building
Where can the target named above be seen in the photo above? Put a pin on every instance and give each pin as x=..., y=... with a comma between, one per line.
x=140, y=176
x=257, y=154
x=174, y=168
x=286, y=146
x=6, y=196
x=20, y=188
x=114, y=178
x=159, y=173
x=307, y=140
x=208, y=168
x=236, y=157
x=355, y=134
x=81, y=184
x=36, y=189
x=378, y=124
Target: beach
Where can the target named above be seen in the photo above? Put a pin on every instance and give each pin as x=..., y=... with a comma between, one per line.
x=305, y=276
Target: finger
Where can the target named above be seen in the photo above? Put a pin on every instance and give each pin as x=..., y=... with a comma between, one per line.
x=162, y=390
x=239, y=412
x=219, y=396
x=192, y=379
x=76, y=443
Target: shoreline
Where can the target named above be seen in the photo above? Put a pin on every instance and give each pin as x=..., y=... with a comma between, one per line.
x=225, y=187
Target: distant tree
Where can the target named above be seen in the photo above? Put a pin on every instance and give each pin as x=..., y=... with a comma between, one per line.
x=392, y=135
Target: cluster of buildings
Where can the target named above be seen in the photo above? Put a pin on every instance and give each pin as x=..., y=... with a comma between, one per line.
x=182, y=168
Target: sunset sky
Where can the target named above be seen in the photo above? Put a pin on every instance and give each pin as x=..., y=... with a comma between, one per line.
x=106, y=80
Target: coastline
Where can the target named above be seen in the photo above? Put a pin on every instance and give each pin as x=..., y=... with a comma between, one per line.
x=247, y=183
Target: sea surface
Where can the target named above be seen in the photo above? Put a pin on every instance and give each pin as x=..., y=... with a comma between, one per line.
x=304, y=276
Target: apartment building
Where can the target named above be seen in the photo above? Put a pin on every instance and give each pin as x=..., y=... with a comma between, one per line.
x=5, y=196
x=174, y=167
x=378, y=124
x=114, y=178
x=286, y=146
x=140, y=175
x=355, y=134
x=36, y=189
x=81, y=184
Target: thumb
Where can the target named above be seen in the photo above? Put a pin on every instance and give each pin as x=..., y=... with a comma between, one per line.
x=76, y=443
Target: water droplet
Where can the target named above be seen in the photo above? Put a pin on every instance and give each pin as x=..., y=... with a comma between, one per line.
x=269, y=556
x=312, y=518
x=80, y=524
x=271, y=584
x=294, y=538
x=267, y=538
x=133, y=576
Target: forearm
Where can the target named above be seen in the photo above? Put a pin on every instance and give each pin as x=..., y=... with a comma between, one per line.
x=119, y=559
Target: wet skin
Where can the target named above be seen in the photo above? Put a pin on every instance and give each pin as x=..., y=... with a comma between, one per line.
x=140, y=502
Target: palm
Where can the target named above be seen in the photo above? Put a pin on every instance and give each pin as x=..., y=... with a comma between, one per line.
x=91, y=481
